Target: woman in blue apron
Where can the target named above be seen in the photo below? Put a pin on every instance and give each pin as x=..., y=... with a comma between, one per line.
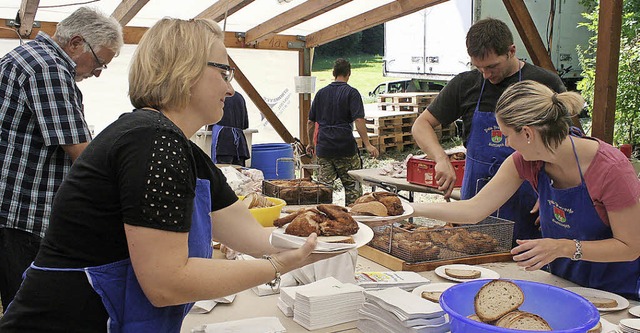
x=486, y=150
x=129, y=243
x=589, y=193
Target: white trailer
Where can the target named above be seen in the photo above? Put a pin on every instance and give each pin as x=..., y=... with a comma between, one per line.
x=430, y=44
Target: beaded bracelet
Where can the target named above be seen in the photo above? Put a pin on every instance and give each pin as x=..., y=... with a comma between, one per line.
x=275, y=283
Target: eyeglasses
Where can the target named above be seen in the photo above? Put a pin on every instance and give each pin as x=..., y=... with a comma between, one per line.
x=227, y=71
x=101, y=66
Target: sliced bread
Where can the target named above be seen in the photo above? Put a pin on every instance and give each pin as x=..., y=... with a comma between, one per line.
x=474, y=317
x=596, y=329
x=529, y=322
x=337, y=239
x=462, y=273
x=433, y=296
x=506, y=319
x=601, y=302
x=497, y=298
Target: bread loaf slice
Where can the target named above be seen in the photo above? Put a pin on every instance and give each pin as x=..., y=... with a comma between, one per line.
x=497, y=298
x=372, y=208
x=506, y=319
x=433, y=296
x=462, y=273
x=337, y=239
x=474, y=317
x=596, y=329
x=529, y=322
x=601, y=302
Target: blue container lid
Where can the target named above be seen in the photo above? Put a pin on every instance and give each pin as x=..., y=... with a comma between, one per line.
x=565, y=311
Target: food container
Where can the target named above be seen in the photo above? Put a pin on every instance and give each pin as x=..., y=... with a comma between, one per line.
x=432, y=240
x=267, y=215
x=565, y=311
x=422, y=171
x=298, y=191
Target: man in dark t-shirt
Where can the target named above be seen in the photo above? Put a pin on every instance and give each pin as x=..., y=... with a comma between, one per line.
x=472, y=96
x=334, y=109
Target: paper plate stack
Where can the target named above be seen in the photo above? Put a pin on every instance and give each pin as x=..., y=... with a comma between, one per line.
x=394, y=310
x=630, y=325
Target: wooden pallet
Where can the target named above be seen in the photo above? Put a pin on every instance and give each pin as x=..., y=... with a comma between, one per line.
x=398, y=146
x=417, y=98
x=373, y=139
x=401, y=107
x=398, y=264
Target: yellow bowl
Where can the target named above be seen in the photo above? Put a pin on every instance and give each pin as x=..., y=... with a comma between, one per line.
x=267, y=215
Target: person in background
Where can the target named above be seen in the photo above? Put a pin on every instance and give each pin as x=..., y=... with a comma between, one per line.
x=229, y=145
x=43, y=130
x=472, y=96
x=334, y=110
x=589, y=193
x=129, y=245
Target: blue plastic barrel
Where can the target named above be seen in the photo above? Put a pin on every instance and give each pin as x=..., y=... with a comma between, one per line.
x=275, y=160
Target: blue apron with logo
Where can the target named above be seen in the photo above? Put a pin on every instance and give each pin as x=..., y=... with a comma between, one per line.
x=570, y=213
x=239, y=142
x=128, y=308
x=486, y=150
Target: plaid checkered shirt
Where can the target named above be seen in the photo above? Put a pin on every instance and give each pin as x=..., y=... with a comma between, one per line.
x=41, y=109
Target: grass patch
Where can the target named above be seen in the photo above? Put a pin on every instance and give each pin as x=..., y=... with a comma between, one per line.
x=366, y=73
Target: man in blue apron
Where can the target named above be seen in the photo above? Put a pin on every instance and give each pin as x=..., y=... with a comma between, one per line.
x=334, y=109
x=228, y=143
x=472, y=96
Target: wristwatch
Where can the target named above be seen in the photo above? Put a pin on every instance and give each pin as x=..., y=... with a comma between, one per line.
x=578, y=254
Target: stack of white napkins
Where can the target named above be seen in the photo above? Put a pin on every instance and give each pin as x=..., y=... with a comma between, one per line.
x=323, y=303
x=382, y=280
x=394, y=310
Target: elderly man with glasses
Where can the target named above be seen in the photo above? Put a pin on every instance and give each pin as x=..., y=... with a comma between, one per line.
x=43, y=130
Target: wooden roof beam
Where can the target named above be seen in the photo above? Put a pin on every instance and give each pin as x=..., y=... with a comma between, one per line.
x=132, y=35
x=531, y=38
x=607, y=57
x=27, y=15
x=294, y=16
x=127, y=10
x=263, y=107
x=367, y=20
x=218, y=10
x=529, y=33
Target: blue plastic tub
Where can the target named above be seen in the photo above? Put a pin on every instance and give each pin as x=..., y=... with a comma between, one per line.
x=564, y=310
x=275, y=160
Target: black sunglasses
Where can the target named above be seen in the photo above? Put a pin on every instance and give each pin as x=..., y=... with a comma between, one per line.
x=227, y=71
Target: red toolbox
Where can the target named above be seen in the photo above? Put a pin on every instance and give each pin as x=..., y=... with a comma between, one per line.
x=422, y=171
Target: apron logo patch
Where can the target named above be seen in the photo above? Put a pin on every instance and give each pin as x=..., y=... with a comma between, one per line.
x=558, y=213
x=496, y=136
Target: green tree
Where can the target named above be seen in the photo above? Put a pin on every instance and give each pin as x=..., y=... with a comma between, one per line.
x=627, y=114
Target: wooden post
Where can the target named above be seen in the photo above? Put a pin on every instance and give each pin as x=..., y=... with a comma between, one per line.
x=606, y=83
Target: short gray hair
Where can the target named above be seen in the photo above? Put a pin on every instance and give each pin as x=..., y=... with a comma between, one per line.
x=96, y=28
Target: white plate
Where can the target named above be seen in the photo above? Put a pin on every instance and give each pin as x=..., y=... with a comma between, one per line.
x=635, y=311
x=432, y=287
x=607, y=326
x=485, y=273
x=630, y=323
x=623, y=303
x=280, y=239
x=408, y=210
